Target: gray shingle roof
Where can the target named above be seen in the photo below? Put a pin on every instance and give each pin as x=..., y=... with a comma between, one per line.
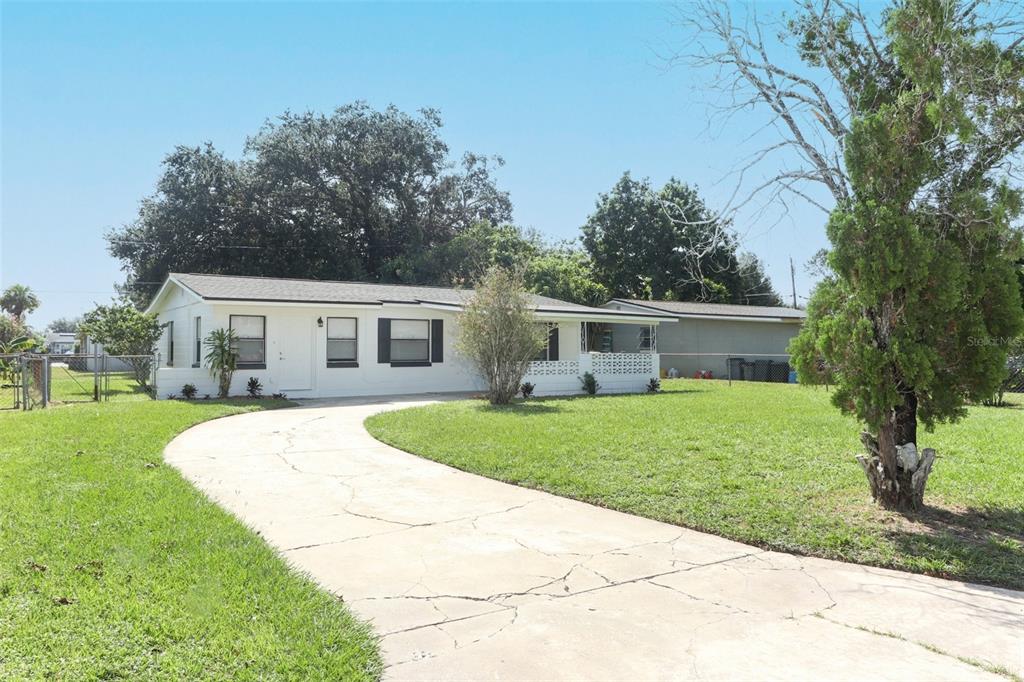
x=239, y=288
x=722, y=309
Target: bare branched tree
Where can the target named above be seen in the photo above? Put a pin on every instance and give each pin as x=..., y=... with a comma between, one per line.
x=845, y=64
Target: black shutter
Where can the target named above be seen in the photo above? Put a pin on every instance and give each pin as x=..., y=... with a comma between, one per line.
x=437, y=340
x=383, y=339
x=553, y=343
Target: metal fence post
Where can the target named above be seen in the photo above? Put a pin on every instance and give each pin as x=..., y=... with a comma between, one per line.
x=45, y=359
x=95, y=374
x=24, y=382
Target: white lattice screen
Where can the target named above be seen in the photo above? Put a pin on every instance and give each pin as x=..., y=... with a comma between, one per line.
x=554, y=368
x=623, y=363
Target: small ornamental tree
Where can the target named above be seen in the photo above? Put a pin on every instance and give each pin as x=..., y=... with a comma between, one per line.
x=123, y=329
x=499, y=334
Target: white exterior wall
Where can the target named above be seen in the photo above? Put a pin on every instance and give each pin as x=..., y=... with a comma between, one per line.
x=615, y=372
x=296, y=354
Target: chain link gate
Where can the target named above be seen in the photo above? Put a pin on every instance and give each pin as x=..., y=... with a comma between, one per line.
x=29, y=380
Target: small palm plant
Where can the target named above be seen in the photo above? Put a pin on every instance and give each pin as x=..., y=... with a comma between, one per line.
x=254, y=387
x=222, y=358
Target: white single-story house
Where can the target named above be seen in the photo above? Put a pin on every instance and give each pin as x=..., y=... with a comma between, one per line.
x=743, y=342
x=314, y=339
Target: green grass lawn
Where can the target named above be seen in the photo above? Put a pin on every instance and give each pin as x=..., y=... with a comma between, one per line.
x=68, y=385
x=113, y=566
x=767, y=464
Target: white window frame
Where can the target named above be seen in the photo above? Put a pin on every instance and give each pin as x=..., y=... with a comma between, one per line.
x=197, y=334
x=392, y=339
x=252, y=365
x=170, y=343
x=342, y=362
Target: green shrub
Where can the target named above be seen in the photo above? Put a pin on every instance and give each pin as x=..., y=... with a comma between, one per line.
x=590, y=385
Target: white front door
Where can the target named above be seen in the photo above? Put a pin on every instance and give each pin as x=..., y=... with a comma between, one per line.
x=295, y=354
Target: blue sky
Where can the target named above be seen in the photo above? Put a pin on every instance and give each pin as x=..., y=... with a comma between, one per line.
x=571, y=95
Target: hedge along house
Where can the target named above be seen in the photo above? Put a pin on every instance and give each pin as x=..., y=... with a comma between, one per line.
x=711, y=337
x=315, y=339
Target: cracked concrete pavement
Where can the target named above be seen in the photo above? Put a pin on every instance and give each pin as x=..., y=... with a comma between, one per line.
x=468, y=578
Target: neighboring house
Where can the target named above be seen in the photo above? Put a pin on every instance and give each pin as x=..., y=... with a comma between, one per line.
x=707, y=336
x=60, y=343
x=309, y=338
x=95, y=350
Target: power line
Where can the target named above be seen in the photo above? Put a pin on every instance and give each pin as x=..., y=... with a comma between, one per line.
x=252, y=246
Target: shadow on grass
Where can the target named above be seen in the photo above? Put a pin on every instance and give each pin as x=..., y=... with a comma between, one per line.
x=530, y=408
x=983, y=545
x=265, y=403
x=612, y=396
x=548, y=404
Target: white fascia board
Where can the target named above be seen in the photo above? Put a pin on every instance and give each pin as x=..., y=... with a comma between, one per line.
x=700, y=316
x=597, y=317
x=450, y=307
x=290, y=304
x=739, y=318
x=163, y=290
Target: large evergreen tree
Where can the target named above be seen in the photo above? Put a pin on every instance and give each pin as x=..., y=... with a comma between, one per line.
x=916, y=137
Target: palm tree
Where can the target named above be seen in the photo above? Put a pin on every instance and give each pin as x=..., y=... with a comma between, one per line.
x=18, y=300
x=222, y=358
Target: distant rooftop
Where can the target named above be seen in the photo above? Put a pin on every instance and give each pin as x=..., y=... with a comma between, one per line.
x=715, y=309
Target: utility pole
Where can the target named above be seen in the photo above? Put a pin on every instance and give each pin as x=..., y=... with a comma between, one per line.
x=792, y=279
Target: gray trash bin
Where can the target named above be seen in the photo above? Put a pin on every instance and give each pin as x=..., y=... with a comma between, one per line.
x=735, y=371
x=761, y=369
x=779, y=372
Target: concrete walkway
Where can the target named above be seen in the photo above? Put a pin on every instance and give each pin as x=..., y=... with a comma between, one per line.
x=468, y=578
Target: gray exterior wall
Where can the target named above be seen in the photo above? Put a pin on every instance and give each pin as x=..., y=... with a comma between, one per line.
x=748, y=340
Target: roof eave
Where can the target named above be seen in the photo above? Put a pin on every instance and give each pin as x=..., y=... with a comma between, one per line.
x=713, y=316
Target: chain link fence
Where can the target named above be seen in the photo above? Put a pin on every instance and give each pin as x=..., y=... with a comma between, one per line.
x=29, y=381
x=12, y=393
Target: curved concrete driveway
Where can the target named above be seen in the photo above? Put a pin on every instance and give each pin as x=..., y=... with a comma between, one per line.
x=468, y=578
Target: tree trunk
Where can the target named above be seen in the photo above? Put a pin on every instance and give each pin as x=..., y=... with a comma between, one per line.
x=896, y=471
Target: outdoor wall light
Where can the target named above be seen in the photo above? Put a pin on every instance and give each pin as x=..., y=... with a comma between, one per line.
x=319, y=321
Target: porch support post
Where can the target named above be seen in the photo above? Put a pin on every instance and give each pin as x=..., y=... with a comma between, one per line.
x=586, y=363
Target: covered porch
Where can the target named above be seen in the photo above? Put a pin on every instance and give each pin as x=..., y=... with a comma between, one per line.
x=579, y=346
